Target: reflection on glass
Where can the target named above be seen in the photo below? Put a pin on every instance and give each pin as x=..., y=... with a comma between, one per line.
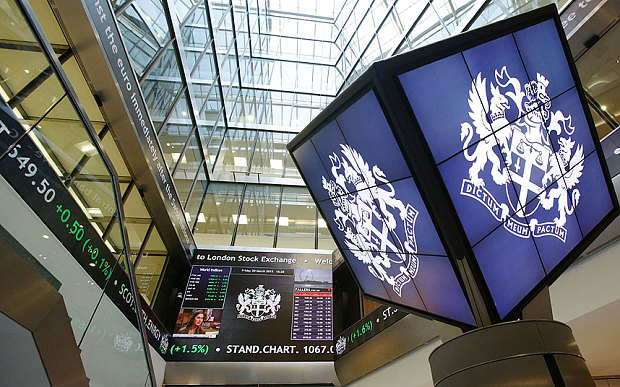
x=49, y=95
x=325, y=242
x=138, y=37
x=215, y=224
x=188, y=162
x=112, y=337
x=270, y=154
x=297, y=221
x=172, y=138
x=97, y=198
x=159, y=96
x=193, y=203
x=114, y=241
x=599, y=63
x=183, y=187
x=136, y=230
x=256, y=222
x=235, y=152
x=213, y=144
x=148, y=272
x=19, y=68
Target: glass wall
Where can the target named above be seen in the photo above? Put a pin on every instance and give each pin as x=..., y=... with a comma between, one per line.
x=599, y=69
x=41, y=82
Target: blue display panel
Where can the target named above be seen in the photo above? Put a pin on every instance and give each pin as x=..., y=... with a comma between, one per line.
x=568, y=130
x=510, y=265
x=312, y=169
x=375, y=210
x=511, y=154
x=437, y=291
x=594, y=202
x=366, y=130
x=494, y=66
x=545, y=60
x=430, y=92
x=361, y=266
x=387, y=251
x=473, y=181
x=440, y=290
x=554, y=242
x=418, y=225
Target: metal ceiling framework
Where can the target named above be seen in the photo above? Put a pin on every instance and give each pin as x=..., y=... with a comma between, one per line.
x=246, y=43
x=258, y=36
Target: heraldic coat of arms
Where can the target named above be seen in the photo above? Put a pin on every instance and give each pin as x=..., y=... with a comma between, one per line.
x=367, y=216
x=258, y=304
x=545, y=179
x=341, y=345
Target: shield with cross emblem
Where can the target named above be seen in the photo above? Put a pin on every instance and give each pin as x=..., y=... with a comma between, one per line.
x=522, y=158
x=530, y=162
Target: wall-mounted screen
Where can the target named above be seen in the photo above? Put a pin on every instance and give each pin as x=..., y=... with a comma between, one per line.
x=256, y=306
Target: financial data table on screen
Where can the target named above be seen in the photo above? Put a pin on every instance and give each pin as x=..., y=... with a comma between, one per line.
x=256, y=306
x=312, y=313
x=206, y=287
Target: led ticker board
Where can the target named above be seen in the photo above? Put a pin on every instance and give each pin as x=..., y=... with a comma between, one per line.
x=25, y=168
x=478, y=147
x=368, y=327
x=256, y=306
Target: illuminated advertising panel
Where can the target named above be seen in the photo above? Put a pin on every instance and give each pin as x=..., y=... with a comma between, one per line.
x=472, y=160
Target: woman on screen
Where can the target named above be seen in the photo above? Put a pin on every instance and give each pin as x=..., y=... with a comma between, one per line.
x=194, y=325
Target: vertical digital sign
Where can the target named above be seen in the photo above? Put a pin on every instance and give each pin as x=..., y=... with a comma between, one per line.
x=374, y=208
x=472, y=160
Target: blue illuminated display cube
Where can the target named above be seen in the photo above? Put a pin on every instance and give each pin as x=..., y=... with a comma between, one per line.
x=473, y=160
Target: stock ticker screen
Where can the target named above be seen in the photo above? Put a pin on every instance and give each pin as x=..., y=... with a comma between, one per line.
x=256, y=306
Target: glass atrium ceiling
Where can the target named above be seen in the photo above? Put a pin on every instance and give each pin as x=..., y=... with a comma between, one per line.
x=229, y=83
x=268, y=65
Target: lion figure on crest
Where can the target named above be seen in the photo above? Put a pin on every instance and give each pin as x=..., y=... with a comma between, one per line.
x=557, y=168
x=484, y=152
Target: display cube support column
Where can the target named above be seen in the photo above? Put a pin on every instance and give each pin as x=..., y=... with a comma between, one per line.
x=529, y=352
